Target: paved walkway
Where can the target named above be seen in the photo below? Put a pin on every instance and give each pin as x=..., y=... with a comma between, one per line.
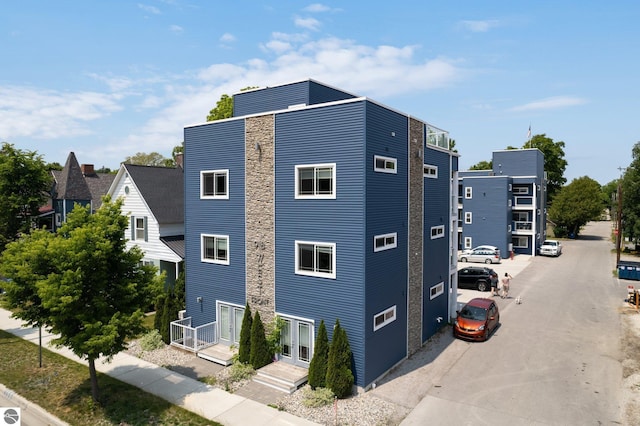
x=206, y=401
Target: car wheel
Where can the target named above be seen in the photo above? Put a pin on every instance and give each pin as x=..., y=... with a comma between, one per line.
x=482, y=286
x=463, y=259
x=488, y=261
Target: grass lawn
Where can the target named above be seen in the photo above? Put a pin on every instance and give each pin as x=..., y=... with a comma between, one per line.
x=62, y=387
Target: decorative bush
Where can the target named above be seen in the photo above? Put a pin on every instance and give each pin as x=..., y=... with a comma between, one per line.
x=152, y=340
x=260, y=355
x=244, y=350
x=339, y=375
x=316, y=398
x=318, y=365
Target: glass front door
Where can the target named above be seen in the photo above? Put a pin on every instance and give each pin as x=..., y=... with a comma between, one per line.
x=296, y=339
x=229, y=323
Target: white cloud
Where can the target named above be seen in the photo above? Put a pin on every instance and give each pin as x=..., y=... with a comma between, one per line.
x=550, y=103
x=150, y=9
x=317, y=7
x=308, y=23
x=176, y=29
x=26, y=111
x=479, y=26
x=227, y=38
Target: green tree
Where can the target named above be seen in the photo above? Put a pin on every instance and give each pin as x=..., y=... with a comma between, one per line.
x=318, y=365
x=339, y=375
x=554, y=162
x=575, y=205
x=482, y=165
x=223, y=109
x=95, y=290
x=147, y=159
x=259, y=353
x=24, y=184
x=244, y=350
x=631, y=196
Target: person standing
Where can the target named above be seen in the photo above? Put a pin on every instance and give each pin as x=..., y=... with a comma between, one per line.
x=494, y=284
x=506, y=282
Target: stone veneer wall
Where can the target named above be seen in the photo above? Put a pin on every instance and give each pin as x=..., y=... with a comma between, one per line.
x=260, y=212
x=416, y=232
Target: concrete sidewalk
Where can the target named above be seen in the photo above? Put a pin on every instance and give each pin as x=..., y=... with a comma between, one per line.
x=204, y=400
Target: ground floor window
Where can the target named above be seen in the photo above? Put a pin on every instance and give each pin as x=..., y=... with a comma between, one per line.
x=520, y=242
x=436, y=290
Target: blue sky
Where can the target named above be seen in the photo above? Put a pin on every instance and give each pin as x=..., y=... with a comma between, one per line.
x=109, y=79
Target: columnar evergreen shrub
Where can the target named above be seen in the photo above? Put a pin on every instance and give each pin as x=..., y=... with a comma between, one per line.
x=157, y=320
x=244, y=351
x=339, y=375
x=260, y=355
x=318, y=365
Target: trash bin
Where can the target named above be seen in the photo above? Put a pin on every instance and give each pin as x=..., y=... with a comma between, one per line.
x=628, y=270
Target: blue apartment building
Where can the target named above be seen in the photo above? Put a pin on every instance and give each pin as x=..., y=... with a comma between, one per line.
x=312, y=204
x=506, y=206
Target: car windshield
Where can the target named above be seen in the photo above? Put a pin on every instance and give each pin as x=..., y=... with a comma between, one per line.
x=473, y=313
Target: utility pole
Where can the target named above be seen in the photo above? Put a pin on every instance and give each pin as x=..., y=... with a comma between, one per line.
x=619, y=218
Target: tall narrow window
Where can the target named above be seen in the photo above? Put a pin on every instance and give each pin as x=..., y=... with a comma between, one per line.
x=315, y=181
x=468, y=218
x=468, y=192
x=214, y=184
x=215, y=249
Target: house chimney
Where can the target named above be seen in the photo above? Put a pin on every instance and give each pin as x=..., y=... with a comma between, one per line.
x=179, y=159
x=87, y=169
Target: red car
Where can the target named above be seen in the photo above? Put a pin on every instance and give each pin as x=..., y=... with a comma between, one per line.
x=477, y=319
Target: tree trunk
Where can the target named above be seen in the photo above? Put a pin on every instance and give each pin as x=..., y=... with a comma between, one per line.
x=94, y=379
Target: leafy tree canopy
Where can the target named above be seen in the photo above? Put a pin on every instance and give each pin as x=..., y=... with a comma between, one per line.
x=554, y=162
x=631, y=196
x=24, y=184
x=576, y=204
x=224, y=106
x=149, y=159
x=82, y=283
x=482, y=165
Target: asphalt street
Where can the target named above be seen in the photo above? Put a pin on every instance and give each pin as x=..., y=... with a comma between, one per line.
x=555, y=360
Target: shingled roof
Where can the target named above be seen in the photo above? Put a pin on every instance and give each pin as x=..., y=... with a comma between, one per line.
x=163, y=190
x=75, y=182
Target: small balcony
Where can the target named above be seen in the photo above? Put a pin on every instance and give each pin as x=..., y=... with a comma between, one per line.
x=523, y=227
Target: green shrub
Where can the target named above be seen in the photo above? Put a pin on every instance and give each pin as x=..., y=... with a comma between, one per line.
x=318, y=365
x=244, y=350
x=260, y=355
x=317, y=398
x=339, y=375
x=239, y=371
x=152, y=340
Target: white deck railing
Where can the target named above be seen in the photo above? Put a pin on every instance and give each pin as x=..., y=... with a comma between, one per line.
x=190, y=338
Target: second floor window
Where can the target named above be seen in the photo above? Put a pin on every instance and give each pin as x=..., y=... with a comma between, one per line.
x=385, y=242
x=384, y=164
x=139, y=228
x=215, y=249
x=214, y=184
x=316, y=259
x=316, y=181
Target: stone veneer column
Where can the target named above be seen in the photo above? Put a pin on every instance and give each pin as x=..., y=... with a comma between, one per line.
x=416, y=235
x=260, y=215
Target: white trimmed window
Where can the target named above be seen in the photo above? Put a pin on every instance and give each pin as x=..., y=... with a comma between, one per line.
x=214, y=184
x=430, y=171
x=468, y=218
x=468, y=192
x=436, y=290
x=385, y=242
x=437, y=232
x=520, y=190
x=384, y=318
x=520, y=242
x=215, y=248
x=385, y=164
x=316, y=181
x=139, y=228
x=315, y=259
x=467, y=242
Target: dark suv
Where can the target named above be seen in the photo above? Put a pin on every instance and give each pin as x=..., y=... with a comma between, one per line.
x=476, y=278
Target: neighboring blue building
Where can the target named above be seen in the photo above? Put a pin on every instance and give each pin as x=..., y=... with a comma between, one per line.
x=504, y=207
x=314, y=204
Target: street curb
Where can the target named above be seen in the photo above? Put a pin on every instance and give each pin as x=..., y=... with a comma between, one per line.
x=26, y=405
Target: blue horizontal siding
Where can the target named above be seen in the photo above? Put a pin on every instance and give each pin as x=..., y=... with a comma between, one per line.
x=387, y=212
x=214, y=146
x=333, y=134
